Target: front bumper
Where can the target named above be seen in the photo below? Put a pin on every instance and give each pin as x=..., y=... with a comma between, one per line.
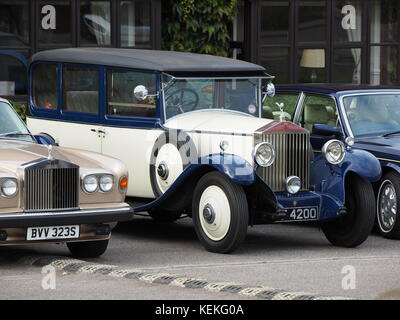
x=59, y=218
x=328, y=206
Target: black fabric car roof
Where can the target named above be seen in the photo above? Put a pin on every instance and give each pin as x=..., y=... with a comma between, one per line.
x=158, y=60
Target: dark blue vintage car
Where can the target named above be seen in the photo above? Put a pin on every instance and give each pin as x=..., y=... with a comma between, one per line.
x=365, y=118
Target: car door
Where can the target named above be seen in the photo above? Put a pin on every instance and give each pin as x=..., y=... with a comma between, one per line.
x=317, y=109
x=132, y=126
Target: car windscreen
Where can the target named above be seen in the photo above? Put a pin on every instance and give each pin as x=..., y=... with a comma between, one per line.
x=373, y=114
x=11, y=125
x=193, y=94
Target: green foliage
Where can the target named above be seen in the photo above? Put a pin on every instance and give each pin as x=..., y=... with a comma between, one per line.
x=20, y=108
x=201, y=26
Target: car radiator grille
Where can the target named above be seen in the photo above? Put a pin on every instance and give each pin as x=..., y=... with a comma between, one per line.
x=292, y=151
x=51, y=189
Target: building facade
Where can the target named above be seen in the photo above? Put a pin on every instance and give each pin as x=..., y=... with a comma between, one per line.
x=341, y=41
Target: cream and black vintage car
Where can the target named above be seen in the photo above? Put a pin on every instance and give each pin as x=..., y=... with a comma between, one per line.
x=53, y=194
x=190, y=129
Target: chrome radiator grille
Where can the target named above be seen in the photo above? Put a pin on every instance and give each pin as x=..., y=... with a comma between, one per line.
x=292, y=159
x=51, y=189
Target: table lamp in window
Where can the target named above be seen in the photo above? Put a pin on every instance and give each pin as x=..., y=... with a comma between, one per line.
x=314, y=59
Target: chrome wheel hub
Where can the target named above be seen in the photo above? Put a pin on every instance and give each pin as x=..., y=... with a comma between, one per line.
x=387, y=206
x=208, y=213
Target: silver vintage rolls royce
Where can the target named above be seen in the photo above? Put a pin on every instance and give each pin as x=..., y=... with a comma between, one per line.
x=53, y=194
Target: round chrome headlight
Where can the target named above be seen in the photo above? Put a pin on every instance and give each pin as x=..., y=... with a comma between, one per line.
x=9, y=188
x=293, y=184
x=90, y=184
x=106, y=183
x=264, y=154
x=334, y=151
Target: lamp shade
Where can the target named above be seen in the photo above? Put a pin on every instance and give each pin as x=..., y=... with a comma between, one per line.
x=313, y=58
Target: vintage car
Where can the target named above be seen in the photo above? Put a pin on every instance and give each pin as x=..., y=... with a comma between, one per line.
x=190, y=130
x=53, y=194
x=367, y=117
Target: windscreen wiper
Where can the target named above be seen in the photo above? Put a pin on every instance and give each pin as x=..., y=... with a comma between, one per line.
x=14, y=133
x=391, y=133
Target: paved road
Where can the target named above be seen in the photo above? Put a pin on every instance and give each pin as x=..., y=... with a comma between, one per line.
x=295, y=258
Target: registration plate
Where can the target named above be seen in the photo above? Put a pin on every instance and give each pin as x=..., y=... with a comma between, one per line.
x=52, y=233
x=302, y=214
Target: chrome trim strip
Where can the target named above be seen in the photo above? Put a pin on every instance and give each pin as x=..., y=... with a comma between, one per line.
x=388, y=160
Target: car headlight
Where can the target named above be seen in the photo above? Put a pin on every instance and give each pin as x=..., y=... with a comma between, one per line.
x=9, y=188
x=90, y=184
x=293, y=184
x=106, y=183
x=264, y=154
x=334, y=151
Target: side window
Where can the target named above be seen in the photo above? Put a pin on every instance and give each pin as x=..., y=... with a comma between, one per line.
x=81, y=89
x=120, y=98
x=45, y=90
x=319, y=110
x=272, y=111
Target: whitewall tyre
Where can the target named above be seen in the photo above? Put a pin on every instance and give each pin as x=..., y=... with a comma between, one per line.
x=387, y=206
x=354, y=228
x=220, y=213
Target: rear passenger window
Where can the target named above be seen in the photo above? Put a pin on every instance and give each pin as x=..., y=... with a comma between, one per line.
x=81, y=89
x=45, y=90
x=271, y=109
x=121, y=100
x=319, y=110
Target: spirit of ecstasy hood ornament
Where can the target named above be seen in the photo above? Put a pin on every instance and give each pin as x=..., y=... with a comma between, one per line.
x=282, y=116
x=50, y=150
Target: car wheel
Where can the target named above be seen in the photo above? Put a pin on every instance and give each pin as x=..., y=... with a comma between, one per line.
x=164, y=216
x=88, y=249
x=220, y=213
x=387, y=205
x=354, y=228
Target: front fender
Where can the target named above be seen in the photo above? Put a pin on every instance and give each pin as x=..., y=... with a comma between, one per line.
x=392, y=166
x=234, y=167
x=328, y=178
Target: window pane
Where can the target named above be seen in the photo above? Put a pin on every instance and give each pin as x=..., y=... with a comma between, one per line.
x=272, y=111
x=348, y=21
x=275, y=21
x=121, y=100
x=385, y=20
x=135, y=23
x=312, y=21
x=319, y=110
x=81, y=87
x=45, y=90
x=312, y=66
x=14, y=23
x=95, y=22
x=276, y=61
x=384, y=65
x=12, y=69
x=347, y=66
x=55, y=22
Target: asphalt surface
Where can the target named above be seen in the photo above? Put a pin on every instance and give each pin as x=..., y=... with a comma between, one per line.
x=291, y=257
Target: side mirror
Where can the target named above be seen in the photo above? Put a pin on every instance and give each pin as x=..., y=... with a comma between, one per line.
x=327, y=131
x=140, y=92
x=268, y=91
x=45, y=139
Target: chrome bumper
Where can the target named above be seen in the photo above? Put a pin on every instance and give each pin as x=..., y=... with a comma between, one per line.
x=39, y=219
